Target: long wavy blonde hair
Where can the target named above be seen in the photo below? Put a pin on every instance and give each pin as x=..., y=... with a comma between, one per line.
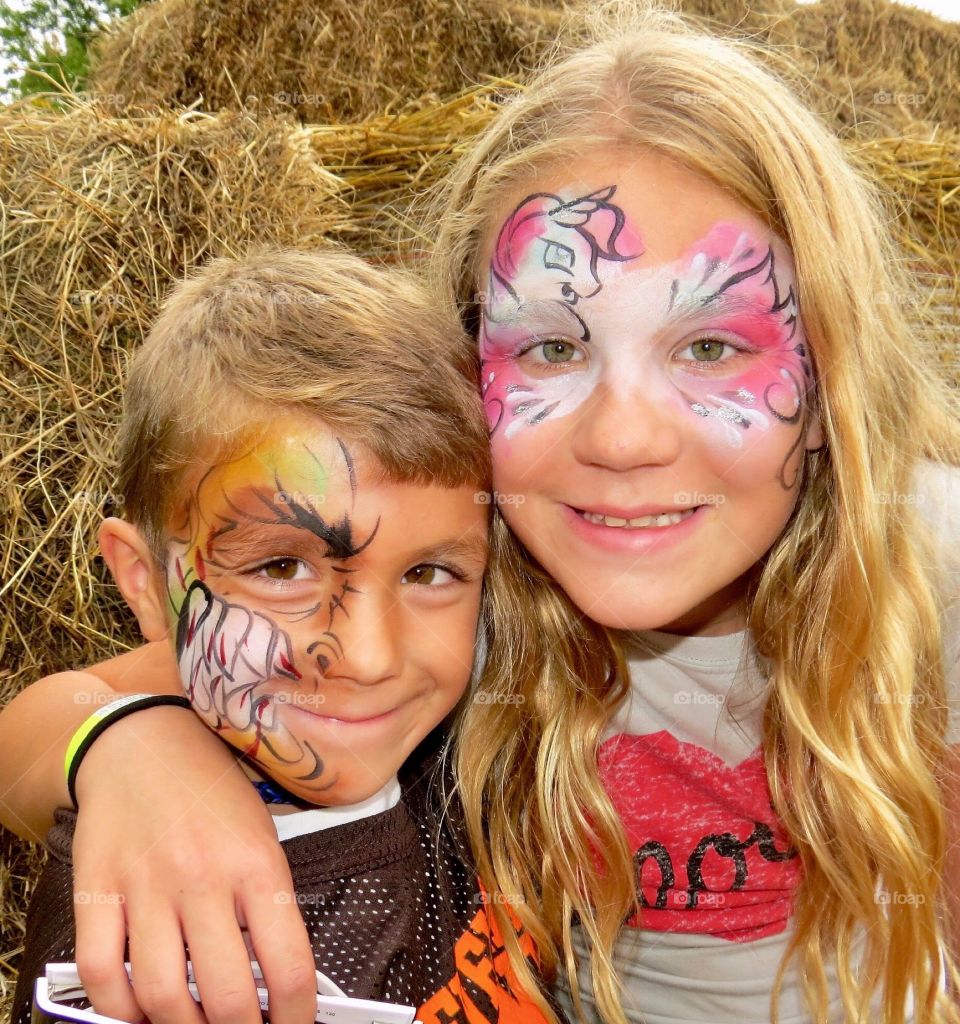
x=845, y=606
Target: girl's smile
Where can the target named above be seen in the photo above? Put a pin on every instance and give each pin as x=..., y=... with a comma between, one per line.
x=648, y=388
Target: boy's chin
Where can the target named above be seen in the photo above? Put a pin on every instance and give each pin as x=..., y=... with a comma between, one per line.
x=339, y=791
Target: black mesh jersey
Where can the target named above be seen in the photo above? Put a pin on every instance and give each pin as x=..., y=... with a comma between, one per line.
x=391, y=904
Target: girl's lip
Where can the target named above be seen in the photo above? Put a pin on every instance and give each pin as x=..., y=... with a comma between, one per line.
x=636, y=539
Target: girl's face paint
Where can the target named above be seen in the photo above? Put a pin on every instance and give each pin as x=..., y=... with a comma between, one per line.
x=655, y=366
x=324, y=618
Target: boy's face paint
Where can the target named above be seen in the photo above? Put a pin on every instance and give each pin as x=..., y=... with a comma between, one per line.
x=656, y=365
x=324, y=618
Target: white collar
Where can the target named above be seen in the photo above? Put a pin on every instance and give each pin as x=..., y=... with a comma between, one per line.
x=302, y=822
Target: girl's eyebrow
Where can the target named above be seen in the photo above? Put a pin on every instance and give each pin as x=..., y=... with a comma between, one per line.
x=720, y=302
x=526, y=311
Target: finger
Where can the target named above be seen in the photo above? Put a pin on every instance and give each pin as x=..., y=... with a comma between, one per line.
x=283, y=950
x=221, y=963
x=158, y=961
x=101, y=933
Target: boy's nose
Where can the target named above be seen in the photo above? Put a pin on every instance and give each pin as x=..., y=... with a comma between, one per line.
x=361, y=644
x=622, y=428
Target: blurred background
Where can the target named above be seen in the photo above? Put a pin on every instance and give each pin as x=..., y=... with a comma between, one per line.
x=139, y=139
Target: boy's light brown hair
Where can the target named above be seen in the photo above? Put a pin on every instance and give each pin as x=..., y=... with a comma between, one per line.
x=247, y=341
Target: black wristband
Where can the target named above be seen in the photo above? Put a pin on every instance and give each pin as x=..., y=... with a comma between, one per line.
x=102, y=719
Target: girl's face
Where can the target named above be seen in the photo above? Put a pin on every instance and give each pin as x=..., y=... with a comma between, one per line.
x=648, y=388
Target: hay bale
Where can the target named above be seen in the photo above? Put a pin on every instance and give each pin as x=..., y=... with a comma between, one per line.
x=340, y=60
x=870, y=65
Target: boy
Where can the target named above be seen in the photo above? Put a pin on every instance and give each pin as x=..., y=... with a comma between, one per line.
x=300, y=461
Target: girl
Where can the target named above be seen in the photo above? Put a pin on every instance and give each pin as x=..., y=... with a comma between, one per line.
x=707, y=767
x=711, y=426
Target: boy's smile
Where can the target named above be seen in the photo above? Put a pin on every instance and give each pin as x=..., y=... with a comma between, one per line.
x=324, y=617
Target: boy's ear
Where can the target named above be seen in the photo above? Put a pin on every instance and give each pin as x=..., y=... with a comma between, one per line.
x=135, y=571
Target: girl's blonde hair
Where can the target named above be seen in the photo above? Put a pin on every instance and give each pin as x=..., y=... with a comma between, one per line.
x=845, y=606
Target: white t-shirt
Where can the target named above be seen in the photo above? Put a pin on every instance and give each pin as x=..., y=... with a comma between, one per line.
x=717, y=871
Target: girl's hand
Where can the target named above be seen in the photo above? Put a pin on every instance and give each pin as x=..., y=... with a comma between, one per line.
x=174, y=846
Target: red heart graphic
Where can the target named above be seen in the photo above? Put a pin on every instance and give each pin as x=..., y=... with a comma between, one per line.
x=712, y=856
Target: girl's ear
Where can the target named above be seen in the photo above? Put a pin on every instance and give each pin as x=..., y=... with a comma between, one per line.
x=814, y=439
x=135, y=571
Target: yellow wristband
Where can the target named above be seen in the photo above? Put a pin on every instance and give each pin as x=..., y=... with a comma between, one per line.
x=102, y=719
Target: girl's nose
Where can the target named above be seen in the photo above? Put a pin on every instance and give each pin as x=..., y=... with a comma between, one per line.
x=363, y=642
x=622, y=428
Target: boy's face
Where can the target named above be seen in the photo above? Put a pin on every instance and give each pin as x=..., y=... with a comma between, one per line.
x=324, y=619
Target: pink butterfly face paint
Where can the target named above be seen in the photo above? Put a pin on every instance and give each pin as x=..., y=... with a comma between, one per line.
x=306, y=622
x=648, y=387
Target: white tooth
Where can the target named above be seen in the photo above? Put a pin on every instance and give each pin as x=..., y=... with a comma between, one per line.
x=664, y=519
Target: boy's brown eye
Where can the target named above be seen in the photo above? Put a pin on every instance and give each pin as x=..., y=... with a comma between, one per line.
x=282, y=568
x=421, y=574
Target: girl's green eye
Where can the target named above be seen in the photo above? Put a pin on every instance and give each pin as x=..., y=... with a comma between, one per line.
x=558, y=351
x=707, y=350
x=282, y=568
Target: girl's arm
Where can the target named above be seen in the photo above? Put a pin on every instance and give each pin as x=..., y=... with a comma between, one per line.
x=173, y=847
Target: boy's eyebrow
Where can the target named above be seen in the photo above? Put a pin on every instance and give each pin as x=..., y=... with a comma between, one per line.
x=470, y=548
x=248, y=537
x=288, y=510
